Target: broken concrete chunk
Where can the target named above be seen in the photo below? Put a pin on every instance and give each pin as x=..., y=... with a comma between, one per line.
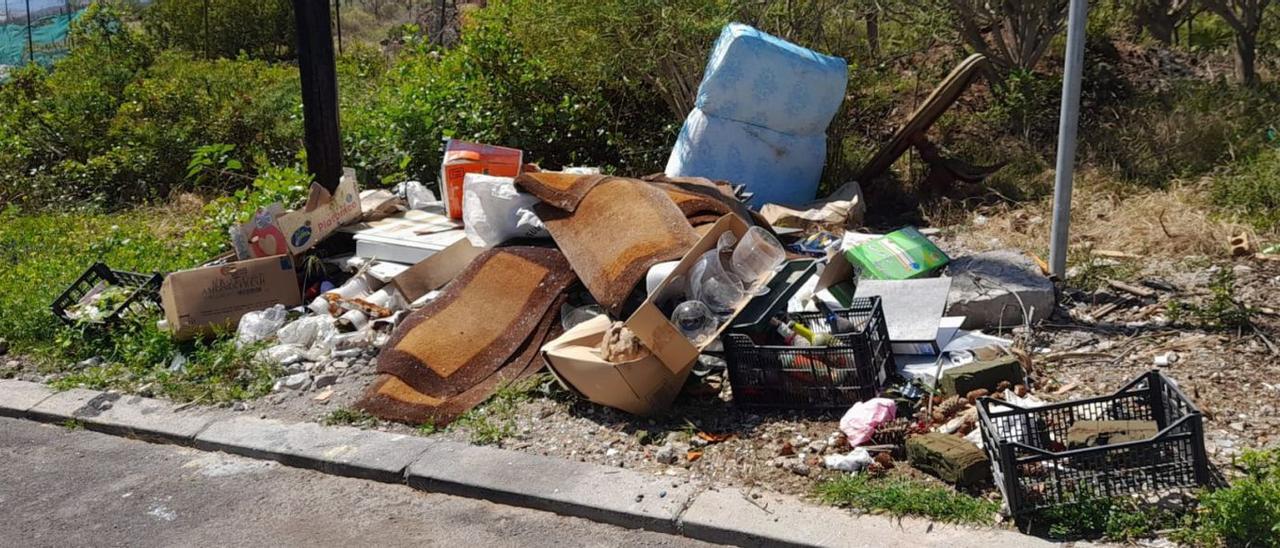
x=951, y=458
x=1096, y=433
x=981, y=375
x=621, y=345
x=986, y=288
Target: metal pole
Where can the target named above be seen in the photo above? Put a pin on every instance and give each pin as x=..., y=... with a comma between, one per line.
x=1067, y=128
x=31, y=48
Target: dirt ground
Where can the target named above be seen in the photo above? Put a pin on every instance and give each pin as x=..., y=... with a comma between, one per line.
x=1099, y=339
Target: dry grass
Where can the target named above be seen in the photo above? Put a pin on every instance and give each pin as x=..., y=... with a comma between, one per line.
x=1176, y=222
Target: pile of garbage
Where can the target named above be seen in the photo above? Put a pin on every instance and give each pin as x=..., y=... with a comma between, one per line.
x=620, y=286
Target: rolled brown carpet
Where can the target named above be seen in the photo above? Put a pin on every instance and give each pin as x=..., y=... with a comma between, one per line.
x=619, y=229
x=391, y=398
x=482, y=319
x=562, y=190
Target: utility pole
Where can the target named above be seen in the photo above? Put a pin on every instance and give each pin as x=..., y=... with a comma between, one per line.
x=31, y=49
x=319, y=92
x=1068, y=125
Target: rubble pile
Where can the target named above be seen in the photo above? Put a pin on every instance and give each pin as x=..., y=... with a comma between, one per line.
x=638, y=293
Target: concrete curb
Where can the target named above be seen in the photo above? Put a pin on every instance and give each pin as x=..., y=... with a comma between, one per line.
x=599, y=493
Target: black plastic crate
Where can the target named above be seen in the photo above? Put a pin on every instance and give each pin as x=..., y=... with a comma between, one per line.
x=144, y=292
x=1035, y=469
x=754, y=319
x=833, y=377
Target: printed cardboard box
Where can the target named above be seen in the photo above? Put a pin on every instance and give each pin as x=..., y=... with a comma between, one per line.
x=201, y=300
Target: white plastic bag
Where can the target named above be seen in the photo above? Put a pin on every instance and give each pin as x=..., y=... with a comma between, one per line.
x=260, y=325
x=417, y=195
x=862, y=419
x=493, y=211
x=853, y=462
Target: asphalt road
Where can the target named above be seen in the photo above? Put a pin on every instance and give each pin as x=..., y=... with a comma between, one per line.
x=61, y=487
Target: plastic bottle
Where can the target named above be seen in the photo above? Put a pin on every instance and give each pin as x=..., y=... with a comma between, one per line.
x=837, y=323
x=789, y=336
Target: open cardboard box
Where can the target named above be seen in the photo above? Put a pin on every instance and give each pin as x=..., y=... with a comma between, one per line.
x=651, y=383
x=202, y=300
x=273, y=232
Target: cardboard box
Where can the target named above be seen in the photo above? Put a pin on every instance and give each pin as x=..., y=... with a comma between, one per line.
x=640, y=387
x=462, y=157
x=900, y=255
x=435, y=271
x=649, y=384
x=200, y=300
x=270, y=230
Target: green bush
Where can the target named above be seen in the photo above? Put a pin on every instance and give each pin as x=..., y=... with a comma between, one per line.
x=115, y=123
x=1248, y=512
x=1253, y=189
x=489, y=89
x=261, y=29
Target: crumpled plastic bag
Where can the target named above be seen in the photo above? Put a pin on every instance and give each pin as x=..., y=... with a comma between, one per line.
x=417, y=195
x=864, y=417
x=282, y=354
x=852, y=462
x=260, y=325
x=493, y=211
x=314, y=333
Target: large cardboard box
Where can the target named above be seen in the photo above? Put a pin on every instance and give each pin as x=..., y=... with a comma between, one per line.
x=200, y=300
x=640, y=386
x=651, y=383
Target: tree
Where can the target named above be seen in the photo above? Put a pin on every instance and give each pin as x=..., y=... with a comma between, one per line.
x=1245, y=17
x=1161, y=18
x=1013, y=34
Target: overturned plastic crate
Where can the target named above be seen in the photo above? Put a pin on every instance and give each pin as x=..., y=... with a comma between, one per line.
x=123, y=292
x=1146, y=438
x=830, y=377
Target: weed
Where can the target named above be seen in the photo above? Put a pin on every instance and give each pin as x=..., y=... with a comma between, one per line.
x=1116, y=519
x=1245, y=514
x=904, y=496
x=72, y=424
x=346, y=416
x=427, y=428
x=1222, y=312
x=495, y=420
x=1090, y=273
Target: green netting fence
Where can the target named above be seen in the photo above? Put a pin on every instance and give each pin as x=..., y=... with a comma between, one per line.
x=47, y=40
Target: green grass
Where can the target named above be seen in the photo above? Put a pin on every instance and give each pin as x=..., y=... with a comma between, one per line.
x=1115, y=519
x=72, y=424
x=44, y=252
x=1247, y=513
x=349, y=417
x=1091, y=273
x=495, y=420
x=901, y=496
x=1221, y=312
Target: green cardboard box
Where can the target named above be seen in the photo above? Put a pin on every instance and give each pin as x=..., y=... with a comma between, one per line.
x=899, y=255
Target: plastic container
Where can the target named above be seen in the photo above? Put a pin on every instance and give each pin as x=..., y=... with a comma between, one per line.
x=144, y=292
x=813, y=378
x=754, y=319
x=1035, y=470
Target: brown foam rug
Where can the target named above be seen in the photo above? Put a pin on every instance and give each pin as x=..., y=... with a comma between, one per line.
x=391, y=398
x=619, y=229
x=699, y=196
x=479, y=322
x=562, y=190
